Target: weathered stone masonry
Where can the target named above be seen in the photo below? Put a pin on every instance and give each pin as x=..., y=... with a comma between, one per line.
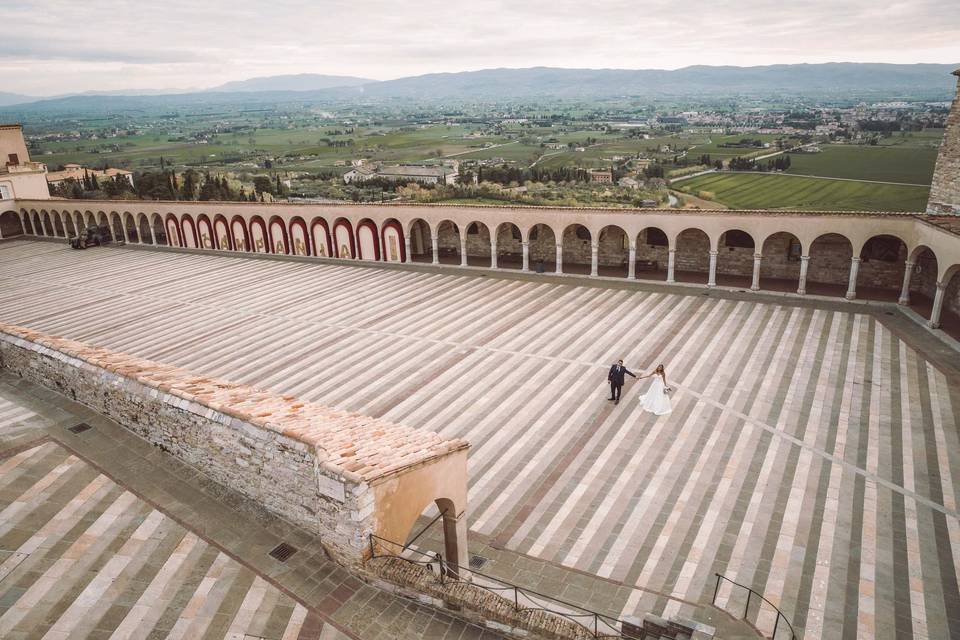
x=945, y=188
x=335, y=473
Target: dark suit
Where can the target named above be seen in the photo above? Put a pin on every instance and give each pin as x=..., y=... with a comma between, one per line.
x=615, y=377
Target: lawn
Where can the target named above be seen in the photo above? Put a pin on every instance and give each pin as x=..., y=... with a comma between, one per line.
x=773, y=191
x=897, y=163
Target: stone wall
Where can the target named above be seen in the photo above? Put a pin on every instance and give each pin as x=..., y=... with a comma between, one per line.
x=312, y=465
x=945, y=188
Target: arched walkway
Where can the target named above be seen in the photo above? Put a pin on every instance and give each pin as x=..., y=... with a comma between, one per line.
x=449, y=243
x=478, y=245
x=47, y=225
x=58, y=225
x=922, y=287
x=132, y=234
x=509, y=247
x=116, y=227
x=37, y=225
x=829, y=266
x=735, y=259
x=613, y=252
x=653, y=254
x=71, y=228
x=143, y=229
x=104, y=225
x=946, y=307
x=577, y=252
x=10, y=224
x=879, y=273
x=692, y=257
x=780, y=262
x=159, y=231
x=543, y=248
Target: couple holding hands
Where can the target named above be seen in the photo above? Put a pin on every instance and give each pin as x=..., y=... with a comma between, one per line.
x=657, y=398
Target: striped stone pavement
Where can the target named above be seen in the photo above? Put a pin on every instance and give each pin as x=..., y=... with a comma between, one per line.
x=82, y=557
x=811, y=454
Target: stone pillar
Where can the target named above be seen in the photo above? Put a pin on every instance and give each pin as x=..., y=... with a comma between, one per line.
x=406, y=248
x=493, y=254
x=526, y=256
x=852, y=282
x=934, y=322
x=755, y=283
x=153, y=236
x=594, y=258
x=905, y=288
x=455, y=542
x=712, y=276
x=559, y=258
x=435, y=241
x=463, y=251
x=632, y=265
x=671, y=264
x=804, y=263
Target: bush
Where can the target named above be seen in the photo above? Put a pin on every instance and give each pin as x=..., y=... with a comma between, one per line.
x=706, y=195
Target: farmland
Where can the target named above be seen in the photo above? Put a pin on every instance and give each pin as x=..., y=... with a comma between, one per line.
x=779, y=191
x=888, y=163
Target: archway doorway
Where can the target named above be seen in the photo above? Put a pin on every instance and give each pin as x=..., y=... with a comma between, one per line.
x=577, y=250
x=543, y=248
x=735, y=251
x=692, y=257
x=880, y=273
x=828, y=272
x=509, y=246
x=449, y=243
x=780, y=262
x=421, y=243
x=613, y=252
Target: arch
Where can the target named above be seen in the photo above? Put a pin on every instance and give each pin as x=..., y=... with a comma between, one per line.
x=421, y=241
x=949, y=321
x=735, y=251
x=188, y=232
x=391, y=241
x=344, y=240
x=131, y=225
x=116, y=226
x=279, y=241
x=923, y=280
x=299, y=237
x=58, y=225
x=692, y=256
x=221, y=233
x=320, y=234
x=368, y=246
x=47, y=225
x=71, y=228
x=160, y=230
x=653, y=254
x=613, y=251
x=206, y=237
x=173, y=231
x=509, y=246
x=143, y=229
x=104, y=225
x=780, y=262
x=449, y=242
x=10, y=224
x=78, y=222
x=828, y=270
x=543, y=248
x=883, y=261
x=478, y=244
x=91, y=219
x=576, y=240
x=240, y=234
x=259, y=240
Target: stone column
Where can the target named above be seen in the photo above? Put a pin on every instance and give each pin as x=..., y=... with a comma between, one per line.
x=493, y=254
x=755, y=283
x=802, y=287
x=526, y=256
x=435, y=241
x=852, y=282
x=559, y=258
x=632, y=265
x=671, y=264
x=905, y=288
x=463, y=251
x=712, y=276
x=594, y=258
x=406, y=248
x=937, y=306
x=153, y=236
x=455, y=543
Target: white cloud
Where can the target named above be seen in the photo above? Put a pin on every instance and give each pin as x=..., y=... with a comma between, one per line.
x=57, y=46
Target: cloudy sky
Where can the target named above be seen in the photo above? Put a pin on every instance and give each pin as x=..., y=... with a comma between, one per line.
x=51, y=46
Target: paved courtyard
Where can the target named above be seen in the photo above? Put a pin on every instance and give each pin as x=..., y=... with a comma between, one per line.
x=812, y=453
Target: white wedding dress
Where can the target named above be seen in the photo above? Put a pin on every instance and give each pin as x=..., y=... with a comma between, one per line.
x=655, y=400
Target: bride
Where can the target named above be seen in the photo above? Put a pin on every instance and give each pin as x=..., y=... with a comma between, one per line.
x=656, y=400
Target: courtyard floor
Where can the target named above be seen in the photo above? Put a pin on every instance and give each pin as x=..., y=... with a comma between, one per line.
x=813, y=452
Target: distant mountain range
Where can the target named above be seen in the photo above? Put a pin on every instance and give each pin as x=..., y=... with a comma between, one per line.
x=842, y=79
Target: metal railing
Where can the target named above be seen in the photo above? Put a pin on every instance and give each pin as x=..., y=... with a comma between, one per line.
x=746, y=610
x=596, y=624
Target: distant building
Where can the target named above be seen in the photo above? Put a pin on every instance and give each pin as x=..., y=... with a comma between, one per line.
x=628, y=182
x=19, y=177
x=601, y=175
x=77, y=172
x=426, y=174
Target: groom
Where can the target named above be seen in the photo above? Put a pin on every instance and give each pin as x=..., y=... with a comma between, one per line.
x=615, y=377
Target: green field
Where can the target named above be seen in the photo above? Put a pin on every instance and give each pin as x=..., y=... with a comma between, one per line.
x=895, y=163
x=777, y=191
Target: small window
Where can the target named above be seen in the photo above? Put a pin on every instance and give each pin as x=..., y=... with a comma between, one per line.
x=13, y=159
x=656, y=238
x=4, y=192
x=739, y=239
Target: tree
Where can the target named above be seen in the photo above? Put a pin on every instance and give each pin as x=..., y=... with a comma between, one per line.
x=262, y=184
